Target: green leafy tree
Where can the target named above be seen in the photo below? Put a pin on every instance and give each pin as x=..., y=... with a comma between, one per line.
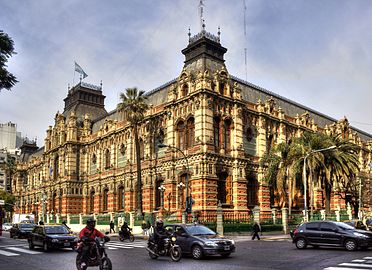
x=133, y=104
x=7, y=79
x=9, y=200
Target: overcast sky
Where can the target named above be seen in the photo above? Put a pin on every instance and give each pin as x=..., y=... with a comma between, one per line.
x=317, y=53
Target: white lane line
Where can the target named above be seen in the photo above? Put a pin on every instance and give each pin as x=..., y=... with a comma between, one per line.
x=6, y=253
x=340, y=268
x=360, y=265
x=112, y=248
x=358, y=261
x=367, y=258
x=24, y=250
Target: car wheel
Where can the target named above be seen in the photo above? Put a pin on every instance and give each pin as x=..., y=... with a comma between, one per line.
x=350, y=245
x=197, y=252
x=45, y=246
x=301, y=243
x=30, y=244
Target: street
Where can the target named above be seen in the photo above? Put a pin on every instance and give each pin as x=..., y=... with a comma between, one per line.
x=265, y=254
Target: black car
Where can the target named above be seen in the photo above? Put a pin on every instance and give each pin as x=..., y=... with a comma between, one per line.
x=200, y=241
x=21, y=230
x=331, y=233
x=52, y=236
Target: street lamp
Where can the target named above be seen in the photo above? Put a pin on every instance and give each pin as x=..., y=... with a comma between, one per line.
x=188, y=200
x=305, y=179
x=162, y=190
x=181, y=187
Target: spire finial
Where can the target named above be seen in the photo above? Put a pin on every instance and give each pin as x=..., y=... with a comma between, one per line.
x=189, y=34
x=101, y=84
x=219, y=33
x=201, y=11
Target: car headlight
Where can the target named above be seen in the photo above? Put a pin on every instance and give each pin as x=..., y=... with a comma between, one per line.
x=232, y=242
x=174, y=239
x=211, y=244
x=360, y=235
x=54, y=240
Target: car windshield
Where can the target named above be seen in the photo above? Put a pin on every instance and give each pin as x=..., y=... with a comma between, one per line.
x=26, y=225
x=344, y=226
x=56, y=230
x=199, y=230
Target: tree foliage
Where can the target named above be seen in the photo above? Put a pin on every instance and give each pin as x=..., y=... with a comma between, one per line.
x=9, y=200
x=7, y=79
x=133, y=104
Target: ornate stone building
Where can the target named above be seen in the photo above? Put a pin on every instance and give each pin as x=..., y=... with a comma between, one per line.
x=223, y=125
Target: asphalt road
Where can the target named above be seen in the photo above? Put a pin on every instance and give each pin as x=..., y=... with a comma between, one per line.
x=264, y=254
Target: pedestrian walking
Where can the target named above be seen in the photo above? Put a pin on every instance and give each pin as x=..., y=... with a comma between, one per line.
x=112, y=226
x=144, y=228
x=255, y=231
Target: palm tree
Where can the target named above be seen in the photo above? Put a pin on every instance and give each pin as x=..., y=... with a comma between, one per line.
x=341, y=167
x=280, y=172
x=133, y=104
x=7, y=79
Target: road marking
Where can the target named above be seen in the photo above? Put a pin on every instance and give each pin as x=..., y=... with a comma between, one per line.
x=24, y=250
x=360, y=265
x=6, y=253
x=340, y=268
x=367, y=258
x=358, y=261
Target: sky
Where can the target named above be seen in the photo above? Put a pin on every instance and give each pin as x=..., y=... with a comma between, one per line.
x=317, y=53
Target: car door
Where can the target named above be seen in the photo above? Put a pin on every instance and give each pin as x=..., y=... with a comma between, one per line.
x=312, y=232
x=182, y=239
x=38, y=236
x=329, y=234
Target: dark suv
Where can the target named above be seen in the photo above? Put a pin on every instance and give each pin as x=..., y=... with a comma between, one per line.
x=331, y=233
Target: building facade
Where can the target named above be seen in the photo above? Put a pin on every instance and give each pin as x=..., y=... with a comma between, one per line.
x=221, y=125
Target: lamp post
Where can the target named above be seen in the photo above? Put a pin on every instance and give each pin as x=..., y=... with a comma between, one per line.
x=305, y=179
x=162, y=190
x=188, y=200
x=181, y=187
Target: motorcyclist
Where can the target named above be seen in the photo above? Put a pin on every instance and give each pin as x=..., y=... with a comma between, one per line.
x=160, y=234
x=124, y=230
x=87, y=237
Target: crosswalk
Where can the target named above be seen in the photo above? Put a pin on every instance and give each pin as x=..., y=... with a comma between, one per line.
x=17, y=250
x=358, y=264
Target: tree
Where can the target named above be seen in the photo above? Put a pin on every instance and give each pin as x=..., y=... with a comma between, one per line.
x=281, y=170
x=9, y=200
x=133, y=104
x=7, y=79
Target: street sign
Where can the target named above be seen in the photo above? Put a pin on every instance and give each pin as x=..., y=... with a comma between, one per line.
x=2, y=202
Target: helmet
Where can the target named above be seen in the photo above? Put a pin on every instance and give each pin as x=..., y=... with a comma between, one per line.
x=159, y=223
x=91, y=223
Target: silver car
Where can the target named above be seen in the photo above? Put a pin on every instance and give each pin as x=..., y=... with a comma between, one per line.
x=7, y=226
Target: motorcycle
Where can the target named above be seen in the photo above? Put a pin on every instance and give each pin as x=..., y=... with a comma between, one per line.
x=96, y=256
x=170, y=248
x=129, y=236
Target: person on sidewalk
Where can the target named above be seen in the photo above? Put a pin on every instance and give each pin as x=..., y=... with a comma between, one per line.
x=255, y=231
x=112, y=226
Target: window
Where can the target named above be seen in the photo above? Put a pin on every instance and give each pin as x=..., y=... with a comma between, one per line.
x=227, y=135
x=121, y=202
x=216, y=133
x=224, y=188
x=107, y=159
x=190, y=132
x=313, y=226
x=56, y=168
x=91, y=202
x=252, y=190
x=185, y=90
x=327, y=227
x=180, y=129
x=105, y=200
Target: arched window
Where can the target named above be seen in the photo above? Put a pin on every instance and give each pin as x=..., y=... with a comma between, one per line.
x=181, y=135
x=91, y=201
x=55, y=170
x=252, y=190
x=227, y=136
x=224, y=188
x=107, y=159
x=216, y=133
x=185, y=90
x=190, y=132
x=105, y=200
x=93, y=164
x=121, y=202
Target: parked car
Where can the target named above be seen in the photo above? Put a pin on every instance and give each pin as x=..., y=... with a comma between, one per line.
x=331, y=233
x=52, y=236
x=198, y=240
x=357, y=224
x=21, y=230
x=7, y=226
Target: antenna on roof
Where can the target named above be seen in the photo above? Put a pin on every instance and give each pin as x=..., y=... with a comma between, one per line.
x=245, y=41
x=201, y=17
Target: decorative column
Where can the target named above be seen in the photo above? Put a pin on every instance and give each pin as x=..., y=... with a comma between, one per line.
x=285, y=220
x=219, y=219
